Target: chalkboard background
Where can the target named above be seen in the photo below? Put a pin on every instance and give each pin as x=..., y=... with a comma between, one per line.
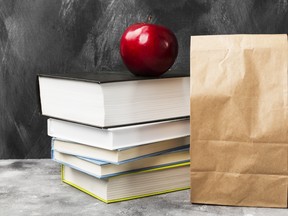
x=48, y=36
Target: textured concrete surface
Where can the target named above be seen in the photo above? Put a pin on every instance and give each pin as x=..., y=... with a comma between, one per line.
x=33, y=187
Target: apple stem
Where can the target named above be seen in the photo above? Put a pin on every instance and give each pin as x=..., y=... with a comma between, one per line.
x=149, y=18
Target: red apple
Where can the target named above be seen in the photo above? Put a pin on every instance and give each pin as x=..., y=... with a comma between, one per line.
x=148, y=49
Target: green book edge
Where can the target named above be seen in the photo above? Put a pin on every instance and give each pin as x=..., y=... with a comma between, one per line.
x=131, y=197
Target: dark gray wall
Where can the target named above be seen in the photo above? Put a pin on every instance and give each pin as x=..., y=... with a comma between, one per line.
x=48, y=36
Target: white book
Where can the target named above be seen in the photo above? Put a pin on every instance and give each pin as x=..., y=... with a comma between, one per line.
x=114, y=99
x=102, y=169
x=130, y=186
x=122, y=155
x=119, y=137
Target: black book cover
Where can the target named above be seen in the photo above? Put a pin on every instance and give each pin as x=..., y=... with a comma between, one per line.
x=108, y=76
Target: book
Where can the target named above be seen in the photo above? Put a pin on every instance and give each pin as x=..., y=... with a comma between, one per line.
x=102, y=169
x=122, y=155
x=119, y=137
x=114, y=99
x=130, y=186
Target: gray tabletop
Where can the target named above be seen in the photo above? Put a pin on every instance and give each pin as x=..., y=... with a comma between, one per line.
x=33, y=187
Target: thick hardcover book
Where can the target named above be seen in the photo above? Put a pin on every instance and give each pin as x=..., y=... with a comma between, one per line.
x=119, y=137
x=122, y=155
x=114, y=99
x=130, y=186
x=102, y=169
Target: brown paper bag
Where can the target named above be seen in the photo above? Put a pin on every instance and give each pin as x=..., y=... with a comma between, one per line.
x=239, y=120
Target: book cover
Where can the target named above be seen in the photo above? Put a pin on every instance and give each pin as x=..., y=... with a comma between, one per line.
x=119, y=137
x=124, y=155
x=182, y=148
x=103, y=169
x=109, y=77
x=125, y=198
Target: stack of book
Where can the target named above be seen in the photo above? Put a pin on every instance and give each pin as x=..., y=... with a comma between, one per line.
x=118, y=136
